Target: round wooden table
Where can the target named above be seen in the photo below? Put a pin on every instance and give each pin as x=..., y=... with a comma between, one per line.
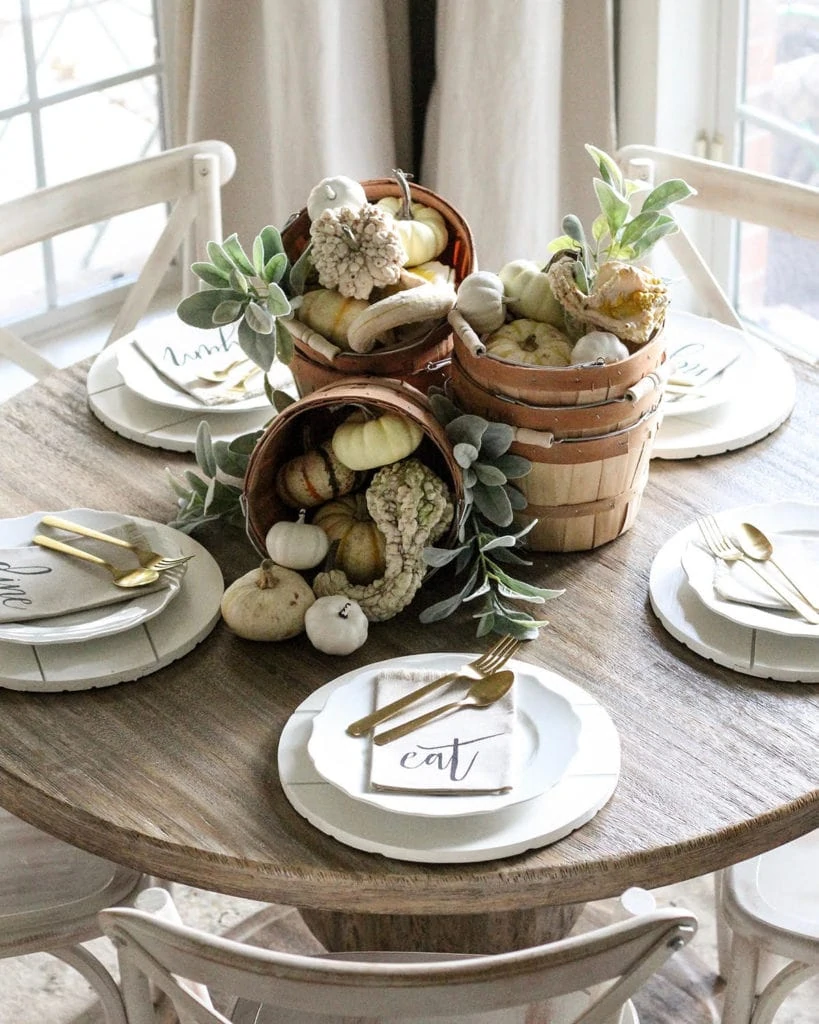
x=175, y=773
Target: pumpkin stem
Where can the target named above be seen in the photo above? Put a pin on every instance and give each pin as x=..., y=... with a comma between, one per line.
x=266, y=580
x=406, y=198
x=302, y=514
x=350, y=238
x=529, y=344
x=345, y=611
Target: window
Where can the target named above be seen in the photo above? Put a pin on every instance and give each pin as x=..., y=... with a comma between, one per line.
x=81, y=90
x=735, y=80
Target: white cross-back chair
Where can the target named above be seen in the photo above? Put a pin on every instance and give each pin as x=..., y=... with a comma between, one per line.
x=156, y=949
x=733, y=192
x=188, y=179
x=50, y=895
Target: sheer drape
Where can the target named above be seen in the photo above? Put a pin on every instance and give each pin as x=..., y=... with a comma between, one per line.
x=306, y=88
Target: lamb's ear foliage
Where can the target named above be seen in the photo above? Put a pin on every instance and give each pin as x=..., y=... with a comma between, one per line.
x=488, y=549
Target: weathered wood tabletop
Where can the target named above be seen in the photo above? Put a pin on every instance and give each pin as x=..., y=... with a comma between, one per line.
x=176, y=773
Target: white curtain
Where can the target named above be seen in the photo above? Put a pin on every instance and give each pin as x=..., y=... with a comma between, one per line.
x=307, y=88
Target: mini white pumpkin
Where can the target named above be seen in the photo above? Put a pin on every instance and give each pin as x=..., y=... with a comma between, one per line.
x=267, y=603
x=599, y=345
x=481, y=301
x=336, y=625
x=330, y=193
x=529, y=293
x=296, y=545
x=362, y=442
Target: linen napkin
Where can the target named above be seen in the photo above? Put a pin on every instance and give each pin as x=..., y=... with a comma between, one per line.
x=466, y=751
x=181, y=359
x=798, y=556
x=37, y=583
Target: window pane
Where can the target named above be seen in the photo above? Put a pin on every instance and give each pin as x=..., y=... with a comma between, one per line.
x=17, y=173
x=105, y=128
x=93, y=259
x=87, y=41
x=13, y=87
x=24, y=292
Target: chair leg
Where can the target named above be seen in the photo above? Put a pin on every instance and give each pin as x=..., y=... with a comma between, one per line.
x=779, y=988
x=723, y=931
x=98, y=978
x=740, y=979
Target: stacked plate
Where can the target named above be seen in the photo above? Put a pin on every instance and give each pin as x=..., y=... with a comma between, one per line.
x=568, y=762
x=134, y=386
x=727, y=389
x=698, y=602
x=118, y=642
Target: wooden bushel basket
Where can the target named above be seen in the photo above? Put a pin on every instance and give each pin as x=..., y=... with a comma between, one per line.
x=311, y=420
x=418, y=362
x=585, y=492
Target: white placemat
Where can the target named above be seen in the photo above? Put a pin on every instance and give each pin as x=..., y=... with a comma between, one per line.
x=762, y=394
x=132, y=416
x=131, y=654
x=574, y=800
x=753, y=652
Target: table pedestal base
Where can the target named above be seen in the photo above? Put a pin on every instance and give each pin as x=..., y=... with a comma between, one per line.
x=441, y=933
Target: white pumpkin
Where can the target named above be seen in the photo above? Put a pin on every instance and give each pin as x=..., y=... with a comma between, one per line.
x=530, y=342
x=481, y=301
x=268, y=603
x=599, y=345
x=297, y=545
x=364, y=443
x=331, y=193
x=336, y=625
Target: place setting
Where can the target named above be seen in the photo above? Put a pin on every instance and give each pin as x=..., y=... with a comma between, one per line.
x=157, y=384
x=726, y=388
x=90, y=598
x=740, y=587
x=495, y=756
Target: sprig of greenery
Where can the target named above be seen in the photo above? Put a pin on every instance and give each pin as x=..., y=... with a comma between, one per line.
x=616, y=234
x=481, y=449
x=254, y=291
x=216, y=494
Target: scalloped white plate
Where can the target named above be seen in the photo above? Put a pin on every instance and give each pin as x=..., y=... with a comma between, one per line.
x=90, y=623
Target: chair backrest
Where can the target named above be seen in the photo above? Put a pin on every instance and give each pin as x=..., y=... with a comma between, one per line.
x=306, y=988
x=188, y=178
x=731, y=191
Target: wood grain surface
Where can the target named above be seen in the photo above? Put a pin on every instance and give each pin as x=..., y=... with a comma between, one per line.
x=176, y=773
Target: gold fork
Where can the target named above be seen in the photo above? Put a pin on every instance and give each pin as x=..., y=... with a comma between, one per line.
x=489, y=662
x=722, y=547
x=147, y=559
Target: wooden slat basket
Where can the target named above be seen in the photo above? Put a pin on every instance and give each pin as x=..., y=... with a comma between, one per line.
x=312, y=419
x=588, y=431
x=424, y=361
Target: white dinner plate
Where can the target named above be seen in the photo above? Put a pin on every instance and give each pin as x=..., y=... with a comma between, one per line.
x=546, y=740
x=582, y=790
x=791, y=519
x=697, y=342
x=141, y=377
x=89, y=623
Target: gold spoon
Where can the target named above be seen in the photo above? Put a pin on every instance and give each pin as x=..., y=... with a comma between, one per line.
x=219, y=376
x=756, y=545
x=480, y=694
x=122, y=577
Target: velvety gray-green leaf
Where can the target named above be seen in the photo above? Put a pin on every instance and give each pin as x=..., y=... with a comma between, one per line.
x=608, y=167
x=198, y=485
x=574, y=229
x=218, y=257
x=197, y=310
x=445, y=410
x=237, y=255
x=284, y=344
x=275, y=268
x=493, y=503
x=204, y=449
x=517, y=499
x=271, y=243
x=489, y=475
x=637, y=227
x=258, y=347
x=281, y=400
x=509, y=557
x=210, y=274
x=277, y=301
x=536, y=595
x=513, y=466
x=672, y=191
x=615, y=208
x=465, y=454
x=299, y=272
x=437, y=557
x=496, y=440
x=467, y=428
x=258, y=318
x=506, y=540
x=470, y=477
x=226, y=312
x=228, y=460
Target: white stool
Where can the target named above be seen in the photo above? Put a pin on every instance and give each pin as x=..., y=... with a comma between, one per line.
x=771, y=906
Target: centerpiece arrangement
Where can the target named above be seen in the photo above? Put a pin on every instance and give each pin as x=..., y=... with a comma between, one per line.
x=364, y=487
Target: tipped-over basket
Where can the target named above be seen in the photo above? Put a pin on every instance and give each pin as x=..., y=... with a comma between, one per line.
x=588, y=431
x=312, y=419
x=422, y=362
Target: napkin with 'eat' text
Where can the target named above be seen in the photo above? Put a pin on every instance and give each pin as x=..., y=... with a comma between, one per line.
x=466, y=751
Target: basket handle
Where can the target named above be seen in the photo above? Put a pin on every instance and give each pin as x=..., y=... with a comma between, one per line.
x=537, y=438
x=654, y=381
x=461, y=327
x=312, y=339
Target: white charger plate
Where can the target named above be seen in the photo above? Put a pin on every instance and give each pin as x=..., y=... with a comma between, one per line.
x=579, y=794
x=143, y=379
x=89, y=623
x=713, y=340
x=753, y=652
x=546, y=739
x=791, y=518
x=125, y=656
